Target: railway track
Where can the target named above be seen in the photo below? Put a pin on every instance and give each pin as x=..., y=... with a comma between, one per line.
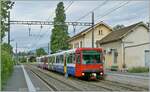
x=112, y=85
x=79, y=86
x=54, y=83
x=50, y=86
x=82, y=85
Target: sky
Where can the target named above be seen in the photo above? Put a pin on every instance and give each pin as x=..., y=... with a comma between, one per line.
x=110, y=12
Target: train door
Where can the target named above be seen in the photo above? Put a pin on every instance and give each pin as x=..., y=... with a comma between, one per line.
x=65, y=64
x=78, y=64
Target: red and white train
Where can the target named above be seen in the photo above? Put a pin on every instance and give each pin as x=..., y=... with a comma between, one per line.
x=79, y=62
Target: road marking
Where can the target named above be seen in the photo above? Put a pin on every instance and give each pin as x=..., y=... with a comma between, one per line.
x=30, y=85
x=131, y=76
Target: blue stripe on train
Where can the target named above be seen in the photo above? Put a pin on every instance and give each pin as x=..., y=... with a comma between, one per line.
x=60, y=68
x=71, y=70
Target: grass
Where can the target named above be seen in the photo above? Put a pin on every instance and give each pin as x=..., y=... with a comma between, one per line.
x=114, y=68
x=138, y=70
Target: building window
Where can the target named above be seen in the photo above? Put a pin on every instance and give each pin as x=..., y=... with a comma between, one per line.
x=76, y=45
x=100, y=32
x=80, y=44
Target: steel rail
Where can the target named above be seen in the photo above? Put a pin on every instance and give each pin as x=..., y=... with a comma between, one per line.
x=45, y=81
x=75, y=88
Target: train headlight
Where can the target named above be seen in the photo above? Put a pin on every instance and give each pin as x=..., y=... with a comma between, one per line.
x=101, y=73
x=94, y=74
x=83, y=74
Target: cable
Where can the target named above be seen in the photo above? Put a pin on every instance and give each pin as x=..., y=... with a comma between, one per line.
x=113, y=10
x=69, y=6
x=65, y=10
x=108, y=12
x=100, y=5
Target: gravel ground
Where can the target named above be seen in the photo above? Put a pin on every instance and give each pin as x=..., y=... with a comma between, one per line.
x=39, y=84
x=129, y=80
x=91, y=85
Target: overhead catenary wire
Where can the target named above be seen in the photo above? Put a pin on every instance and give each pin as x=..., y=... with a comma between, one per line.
x=113, y=10
x=69, y=6
x=40, y=37
x=104, y=14
x=99, y=6
x=82, y=17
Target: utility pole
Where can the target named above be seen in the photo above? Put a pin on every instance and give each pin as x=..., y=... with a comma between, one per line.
x=92, y=29
x=16, y=53
x=48, y=48
x=9, y=27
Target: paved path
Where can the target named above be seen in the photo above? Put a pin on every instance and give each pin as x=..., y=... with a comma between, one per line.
x=23, y=79
x=127, y=73
x=136, y=79
x=17, y=81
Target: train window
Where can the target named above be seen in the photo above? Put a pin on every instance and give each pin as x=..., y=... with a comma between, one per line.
x=69, y=58
x=78, y=59
x=61, y=59
x=57, y=59
x=53, y=59
x=73, y=58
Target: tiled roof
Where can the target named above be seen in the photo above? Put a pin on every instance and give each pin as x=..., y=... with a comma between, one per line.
x=118, y=34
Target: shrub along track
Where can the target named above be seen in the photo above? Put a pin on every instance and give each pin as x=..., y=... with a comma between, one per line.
x=100, y=85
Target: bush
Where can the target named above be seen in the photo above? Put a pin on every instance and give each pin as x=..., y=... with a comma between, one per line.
x=6, y=66
x=138, y=69
x=114, y=68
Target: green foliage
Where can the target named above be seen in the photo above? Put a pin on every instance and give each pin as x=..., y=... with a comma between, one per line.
x=33, y=59
x=23, y=59
x=6, y=65
x=117, y=27
x=138, y=69
x=5, y=6
x=59, y=35
x=40, y=52
x=6, y=50
x=114, y=68
x=6, y=47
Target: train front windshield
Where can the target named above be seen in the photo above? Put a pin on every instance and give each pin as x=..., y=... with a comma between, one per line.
x=91, y=57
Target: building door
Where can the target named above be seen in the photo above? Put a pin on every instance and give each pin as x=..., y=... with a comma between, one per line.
x=147, y=57
x=114, y=56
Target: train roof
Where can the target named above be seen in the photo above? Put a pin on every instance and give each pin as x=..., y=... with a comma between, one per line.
x=69, y=51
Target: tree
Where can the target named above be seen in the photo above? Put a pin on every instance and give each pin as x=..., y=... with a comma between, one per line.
x=59, y=35
x=117, y=27
x=6, y=49
x=5, y=6
x=40, y=52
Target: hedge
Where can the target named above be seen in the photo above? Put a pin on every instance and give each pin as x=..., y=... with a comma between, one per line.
x=6, y=67
x=138, y=69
